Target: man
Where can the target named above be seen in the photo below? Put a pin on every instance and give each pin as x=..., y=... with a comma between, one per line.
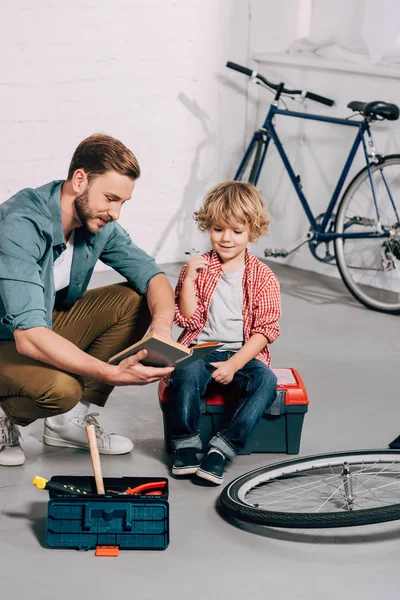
x=56, y=337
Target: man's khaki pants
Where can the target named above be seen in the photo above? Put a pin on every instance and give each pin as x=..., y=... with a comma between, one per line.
x=102, y=323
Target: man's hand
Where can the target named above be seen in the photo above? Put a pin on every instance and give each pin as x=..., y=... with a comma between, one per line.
x=131, y=372
x=224, y=372
x=48, y=347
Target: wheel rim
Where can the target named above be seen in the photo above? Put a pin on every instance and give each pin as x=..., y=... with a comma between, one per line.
x=371, y=267
x=326, y=485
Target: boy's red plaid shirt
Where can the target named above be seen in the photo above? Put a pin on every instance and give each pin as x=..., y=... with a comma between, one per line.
x=261, y=301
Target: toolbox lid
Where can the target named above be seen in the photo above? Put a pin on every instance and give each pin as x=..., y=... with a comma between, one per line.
x=290, y=381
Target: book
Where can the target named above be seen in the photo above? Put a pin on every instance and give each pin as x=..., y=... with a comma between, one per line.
x=162, y=352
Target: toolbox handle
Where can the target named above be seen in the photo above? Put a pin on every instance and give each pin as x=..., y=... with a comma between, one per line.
x=91, y=508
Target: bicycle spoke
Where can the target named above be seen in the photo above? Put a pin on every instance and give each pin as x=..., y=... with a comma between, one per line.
x=321, y=491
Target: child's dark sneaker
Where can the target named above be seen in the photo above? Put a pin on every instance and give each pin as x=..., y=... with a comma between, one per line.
x=212, y=468
x=185, y=461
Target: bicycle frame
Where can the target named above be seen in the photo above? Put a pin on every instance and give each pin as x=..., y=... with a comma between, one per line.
x=268, y=132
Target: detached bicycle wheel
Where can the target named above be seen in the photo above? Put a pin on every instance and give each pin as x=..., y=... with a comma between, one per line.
x=248, y=170
x=342, y=489
x=370, y=266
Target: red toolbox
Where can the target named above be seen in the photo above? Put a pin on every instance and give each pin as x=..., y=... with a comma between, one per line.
x=279, y=430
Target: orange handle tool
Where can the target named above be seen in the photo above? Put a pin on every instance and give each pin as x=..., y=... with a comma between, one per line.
x=151, y=488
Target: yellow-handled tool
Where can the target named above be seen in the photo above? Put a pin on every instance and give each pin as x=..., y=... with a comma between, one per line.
x=64, y=488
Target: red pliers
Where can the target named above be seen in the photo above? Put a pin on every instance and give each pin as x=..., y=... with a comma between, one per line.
x=152, y=488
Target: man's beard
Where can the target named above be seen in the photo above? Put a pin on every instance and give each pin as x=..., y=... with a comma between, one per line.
x=84, y=213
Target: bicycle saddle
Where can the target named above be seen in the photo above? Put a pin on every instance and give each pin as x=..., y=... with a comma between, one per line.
x=377, y=108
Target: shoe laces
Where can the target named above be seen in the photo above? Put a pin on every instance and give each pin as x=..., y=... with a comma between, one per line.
x=90, y=419
x=9, y=433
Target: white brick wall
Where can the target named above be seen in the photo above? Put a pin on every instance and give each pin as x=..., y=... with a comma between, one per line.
x=151, y=74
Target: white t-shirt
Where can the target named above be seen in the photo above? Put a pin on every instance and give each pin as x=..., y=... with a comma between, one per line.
x=225, y=315
x=62, y=265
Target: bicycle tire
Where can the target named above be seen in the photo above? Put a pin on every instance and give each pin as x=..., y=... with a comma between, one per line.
x=233, y=503
x=249, y=169
x=368, y=256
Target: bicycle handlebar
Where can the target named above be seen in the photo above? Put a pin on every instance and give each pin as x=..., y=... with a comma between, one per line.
x=320, y=99
x=241, y=69
x=304, y=93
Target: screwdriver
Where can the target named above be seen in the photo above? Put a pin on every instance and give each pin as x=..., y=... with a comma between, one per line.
x=45, y=484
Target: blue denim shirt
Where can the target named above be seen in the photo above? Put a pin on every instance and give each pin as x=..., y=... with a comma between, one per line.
x=32, y=238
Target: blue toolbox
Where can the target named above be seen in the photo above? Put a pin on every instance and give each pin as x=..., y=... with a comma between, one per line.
x=137, y=520
x=279, y=430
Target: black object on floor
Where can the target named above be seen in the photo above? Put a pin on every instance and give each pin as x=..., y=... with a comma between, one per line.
x=395, y=444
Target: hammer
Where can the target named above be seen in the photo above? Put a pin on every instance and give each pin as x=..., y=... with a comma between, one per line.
x=95, y=456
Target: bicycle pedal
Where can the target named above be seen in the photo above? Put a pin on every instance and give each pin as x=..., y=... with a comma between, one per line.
x=276, y=252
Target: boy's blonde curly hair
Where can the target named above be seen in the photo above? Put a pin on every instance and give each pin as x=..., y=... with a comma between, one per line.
x=234, y=202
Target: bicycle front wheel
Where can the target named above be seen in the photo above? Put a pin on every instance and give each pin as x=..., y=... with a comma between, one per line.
x=370, y=266
x=342, y=489
x=248, y=170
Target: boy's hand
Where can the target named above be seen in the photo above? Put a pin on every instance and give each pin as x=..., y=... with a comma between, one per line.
x=223, y=373
x=194, y=266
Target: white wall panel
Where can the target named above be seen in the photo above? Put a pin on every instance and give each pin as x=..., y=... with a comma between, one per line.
x=149, y=73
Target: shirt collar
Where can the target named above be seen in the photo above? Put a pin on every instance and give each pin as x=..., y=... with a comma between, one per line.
x=55, y=210
x=215, y=265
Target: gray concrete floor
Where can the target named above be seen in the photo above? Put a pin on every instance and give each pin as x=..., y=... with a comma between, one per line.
x=349, y=360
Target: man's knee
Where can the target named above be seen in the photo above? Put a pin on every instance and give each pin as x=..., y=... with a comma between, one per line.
x=131, y=303
x=63, y=393
x=60, y=395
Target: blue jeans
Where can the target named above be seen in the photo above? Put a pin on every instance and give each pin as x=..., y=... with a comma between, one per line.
x=256, y=384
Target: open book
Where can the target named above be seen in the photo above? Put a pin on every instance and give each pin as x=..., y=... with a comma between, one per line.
x=162, y=352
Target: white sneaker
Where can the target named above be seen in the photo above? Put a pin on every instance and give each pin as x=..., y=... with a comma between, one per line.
x=73, y=435
x=11, y=453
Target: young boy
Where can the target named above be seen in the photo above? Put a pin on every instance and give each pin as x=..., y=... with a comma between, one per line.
x=226, y=295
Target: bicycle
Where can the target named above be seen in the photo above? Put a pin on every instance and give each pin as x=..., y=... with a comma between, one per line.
x=342, y=489
x=366, y=229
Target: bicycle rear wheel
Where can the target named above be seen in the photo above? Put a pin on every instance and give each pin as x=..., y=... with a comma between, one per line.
x=342, y=489
x=248, y=170
x=370, y=267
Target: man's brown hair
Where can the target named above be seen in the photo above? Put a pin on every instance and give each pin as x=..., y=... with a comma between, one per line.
x=100, y=153
x=234, y=201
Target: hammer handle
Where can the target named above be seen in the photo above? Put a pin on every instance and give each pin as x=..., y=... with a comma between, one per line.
x=95, y=456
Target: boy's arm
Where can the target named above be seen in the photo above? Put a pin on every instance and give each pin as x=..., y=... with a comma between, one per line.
x=187, y=299
x=225, y=370
x=248, y=351
x=267, y=310
x=196, y=316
